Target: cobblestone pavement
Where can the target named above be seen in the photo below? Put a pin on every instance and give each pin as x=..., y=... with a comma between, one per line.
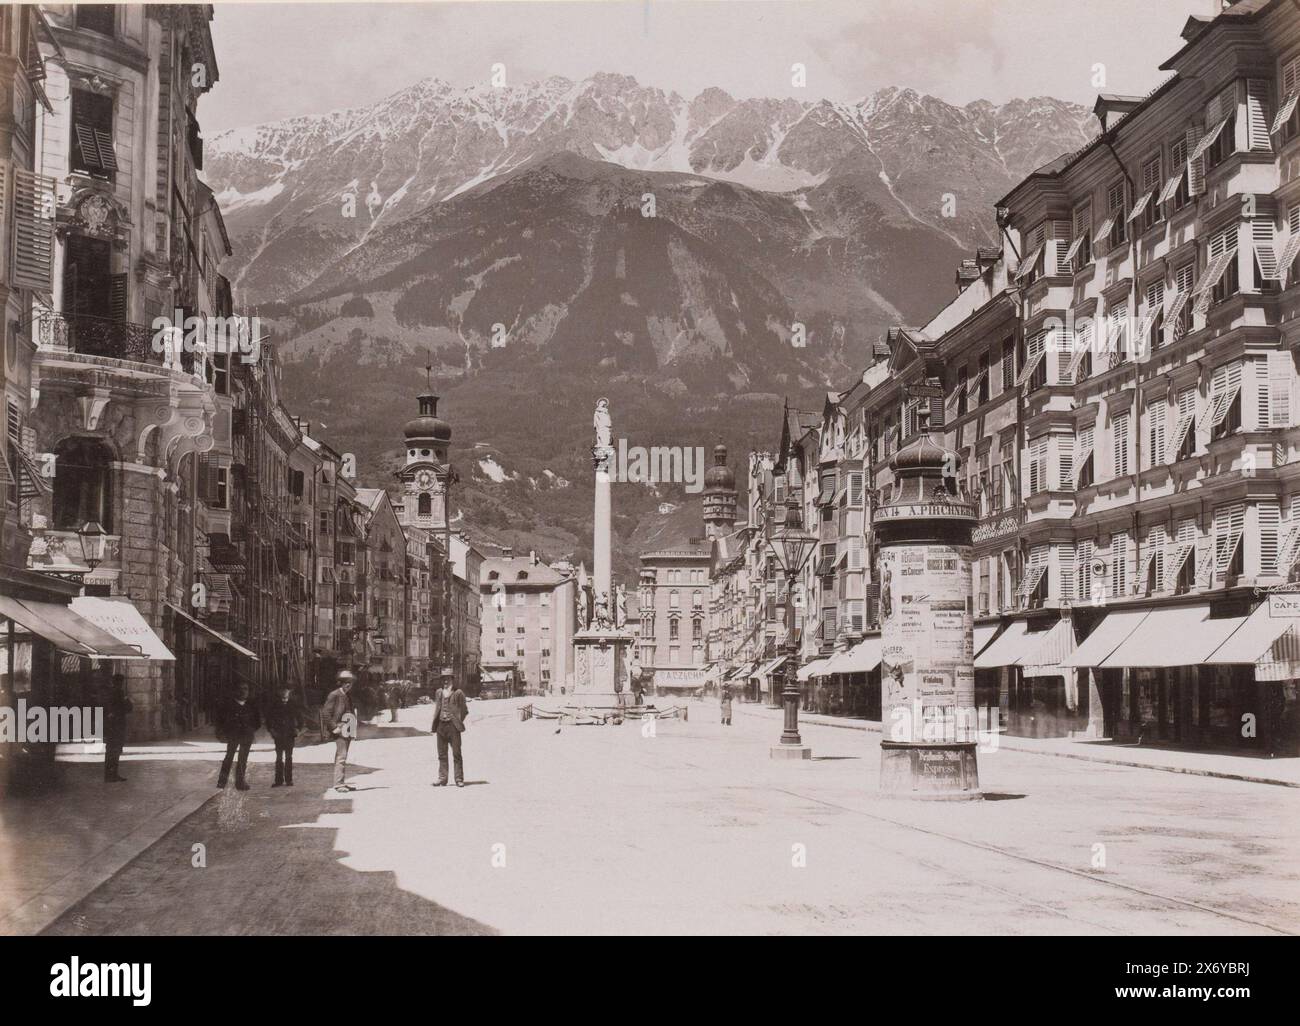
x=602, y=829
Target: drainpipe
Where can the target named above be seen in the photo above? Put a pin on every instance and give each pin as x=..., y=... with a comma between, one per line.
x=1137, y=377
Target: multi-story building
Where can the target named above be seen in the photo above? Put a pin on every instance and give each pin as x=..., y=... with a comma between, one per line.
x=527, y=621
x=672, y=599
x=385, y=612
x=466, y=615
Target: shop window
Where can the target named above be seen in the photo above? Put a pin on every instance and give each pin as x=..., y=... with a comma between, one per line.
x=83, y=484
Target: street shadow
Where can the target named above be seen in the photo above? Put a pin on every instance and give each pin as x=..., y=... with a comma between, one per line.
x=834, y=758
x=268, y=866
x=995, y=796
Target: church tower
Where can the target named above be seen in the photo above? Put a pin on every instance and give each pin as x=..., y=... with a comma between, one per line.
x=719, y=496
x=427, y=474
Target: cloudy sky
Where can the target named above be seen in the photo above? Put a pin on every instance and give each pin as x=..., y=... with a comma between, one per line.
x=281, y=59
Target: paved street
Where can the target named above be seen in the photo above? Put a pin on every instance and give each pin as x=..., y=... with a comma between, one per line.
x=604, y=830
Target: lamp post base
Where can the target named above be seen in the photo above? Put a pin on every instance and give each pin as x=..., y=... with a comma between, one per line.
x=788, y=753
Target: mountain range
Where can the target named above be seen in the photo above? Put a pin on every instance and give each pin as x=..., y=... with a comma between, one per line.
x=544, y=244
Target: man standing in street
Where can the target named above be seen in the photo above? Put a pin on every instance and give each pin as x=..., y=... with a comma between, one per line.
x=283, y=720
x=238, y=721
x=115, y=712
x=340, y=715
x=449, y=715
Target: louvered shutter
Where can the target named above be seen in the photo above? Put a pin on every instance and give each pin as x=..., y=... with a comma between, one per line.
x=1270, y=523
x=1157, y=420
x=1119, y=439
x=1258, y=104
x=1083, y=569
x=104, y=146
x=1281, y=372
x=1065, y=560
x=1266, y=261
x=1186, y=418
x=1061, y=242
x=117, y=297
x=1119, y=564
x=1065, y=456
x=1195, y=167
x=32, y=265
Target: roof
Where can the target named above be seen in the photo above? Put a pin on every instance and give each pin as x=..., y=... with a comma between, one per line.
x=508, y=569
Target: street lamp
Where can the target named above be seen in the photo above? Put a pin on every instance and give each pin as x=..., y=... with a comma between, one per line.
x=791, y=546
x=93, y=543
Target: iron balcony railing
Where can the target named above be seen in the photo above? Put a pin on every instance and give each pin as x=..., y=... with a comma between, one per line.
x=104, y=336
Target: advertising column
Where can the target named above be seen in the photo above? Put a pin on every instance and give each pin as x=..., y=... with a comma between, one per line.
x=928, y=721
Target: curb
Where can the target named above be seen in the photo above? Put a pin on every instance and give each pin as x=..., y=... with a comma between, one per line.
x=44, y=907
x=874, y=727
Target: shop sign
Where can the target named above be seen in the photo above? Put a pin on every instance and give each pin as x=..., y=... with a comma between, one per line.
x=1284, y=604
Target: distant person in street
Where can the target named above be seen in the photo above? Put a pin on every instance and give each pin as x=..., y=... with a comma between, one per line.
x=284, y=720
x=237, y=722
x=449, y=713
x=340, y=714
x=726, y=707
x=115, y=713
x=394, y=699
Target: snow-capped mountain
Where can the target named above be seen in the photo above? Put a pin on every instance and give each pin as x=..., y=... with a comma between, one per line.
x=318, y=185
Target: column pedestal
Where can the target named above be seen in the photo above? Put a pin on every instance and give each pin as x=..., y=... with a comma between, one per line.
x=600, y=668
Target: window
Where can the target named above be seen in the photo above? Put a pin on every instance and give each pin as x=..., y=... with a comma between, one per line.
x=982, y=382
x=1037, y=465
x=424, y=505
x=1080, y=252
x=1176, y=193
x=1084, y=476
x=92, y=135
x=1115, y=214
x=1147, y=211
x=674, y=601
x=1153, y=316
x=1224, y=408
x=82, y=484
x=1274, y=373
x=1119, y=438
x=1219, y=281
x=1229, y=525
x=697, y=600
x=1083, y=570
x=1177, y=321
x=963, y=386
x=99, y=18
x=1270, y=535
x=1287, y=121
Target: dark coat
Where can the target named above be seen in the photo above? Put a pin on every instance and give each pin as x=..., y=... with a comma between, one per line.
x=283, y=719
x=238, y=722
x=337, y=705
x=457, y=708
x=115, y=713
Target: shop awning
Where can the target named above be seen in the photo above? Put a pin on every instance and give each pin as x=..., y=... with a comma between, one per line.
x=1107, y=636
x=713, y=673
x=65, y=629
x=1254, y=639
x=768, y=667
x=1007, y=647
x=743, y=670
x=1181, y=636
x=494, y=677
x=817, y=668
x=1050, y=650
x=118, y=615
x=215, y=633
x=861, y=658
x=983, y=635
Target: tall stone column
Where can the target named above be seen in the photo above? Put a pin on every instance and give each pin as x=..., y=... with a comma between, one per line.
x=929, y=724
x=602, y=514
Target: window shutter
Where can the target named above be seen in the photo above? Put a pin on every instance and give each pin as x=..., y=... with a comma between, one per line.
x=1083, y=568
x=1195, y=167
x=1270, y=523
x=104, y=145
x=117, y=297
x=1257, y=114
x=1119, y=435
x=1281, y=371
x=1157, y=418
x=1119, y=564
x=1061, y=245
x=1266, y=262
x=1065, y=559
x=33, y=252
x=1065, y=452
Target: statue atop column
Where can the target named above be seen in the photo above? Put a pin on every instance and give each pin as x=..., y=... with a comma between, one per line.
x=600, y=421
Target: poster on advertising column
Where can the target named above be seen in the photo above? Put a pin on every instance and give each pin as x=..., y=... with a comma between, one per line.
x=927, y=668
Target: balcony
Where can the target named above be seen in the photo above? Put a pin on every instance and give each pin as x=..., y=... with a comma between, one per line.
x=103, y=336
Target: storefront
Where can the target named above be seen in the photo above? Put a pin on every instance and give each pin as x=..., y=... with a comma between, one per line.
x=1038, y=694
x=209, y=665
x=1199, y=676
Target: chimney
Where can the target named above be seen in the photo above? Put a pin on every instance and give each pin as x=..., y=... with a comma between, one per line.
x=507, y=552
x=532, y=556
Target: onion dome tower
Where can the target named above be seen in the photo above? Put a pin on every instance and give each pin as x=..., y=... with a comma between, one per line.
x=719, y=496
x=427, y=474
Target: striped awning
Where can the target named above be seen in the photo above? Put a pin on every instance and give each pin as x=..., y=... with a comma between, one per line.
x=1051, y=648
x=817, y=668
x=1271, y=643
x=1180, y=636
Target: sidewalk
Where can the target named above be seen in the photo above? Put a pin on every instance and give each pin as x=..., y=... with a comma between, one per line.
x=1284, y=772
x=58, y=845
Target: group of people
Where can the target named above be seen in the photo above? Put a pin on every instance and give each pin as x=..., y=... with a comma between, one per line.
x=239, y=718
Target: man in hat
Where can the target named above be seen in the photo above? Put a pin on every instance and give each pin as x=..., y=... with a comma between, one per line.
x=340, y=714
x=115, y=713
x=283, y=720
x=449, y=713
x=237, y=720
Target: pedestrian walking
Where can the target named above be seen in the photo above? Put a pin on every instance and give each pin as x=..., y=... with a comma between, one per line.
x=284, y=721
x=340, y=714
x=115, y=713
x=726, y=707
x=237, y=722
x=449, y=714
x=394, y=697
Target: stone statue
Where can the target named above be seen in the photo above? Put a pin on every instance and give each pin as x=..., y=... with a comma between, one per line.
x=584, y=598
x=620, y=605
x=601, y=616
x=602, y=424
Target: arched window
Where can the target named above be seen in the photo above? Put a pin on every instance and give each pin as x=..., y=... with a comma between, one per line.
x=83, y=484
x=672, y=599
x=425, y=505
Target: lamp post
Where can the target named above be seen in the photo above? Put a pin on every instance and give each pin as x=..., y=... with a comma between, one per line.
x=791, y=546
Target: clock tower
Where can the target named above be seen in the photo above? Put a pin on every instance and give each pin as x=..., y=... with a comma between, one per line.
x=427, y=474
